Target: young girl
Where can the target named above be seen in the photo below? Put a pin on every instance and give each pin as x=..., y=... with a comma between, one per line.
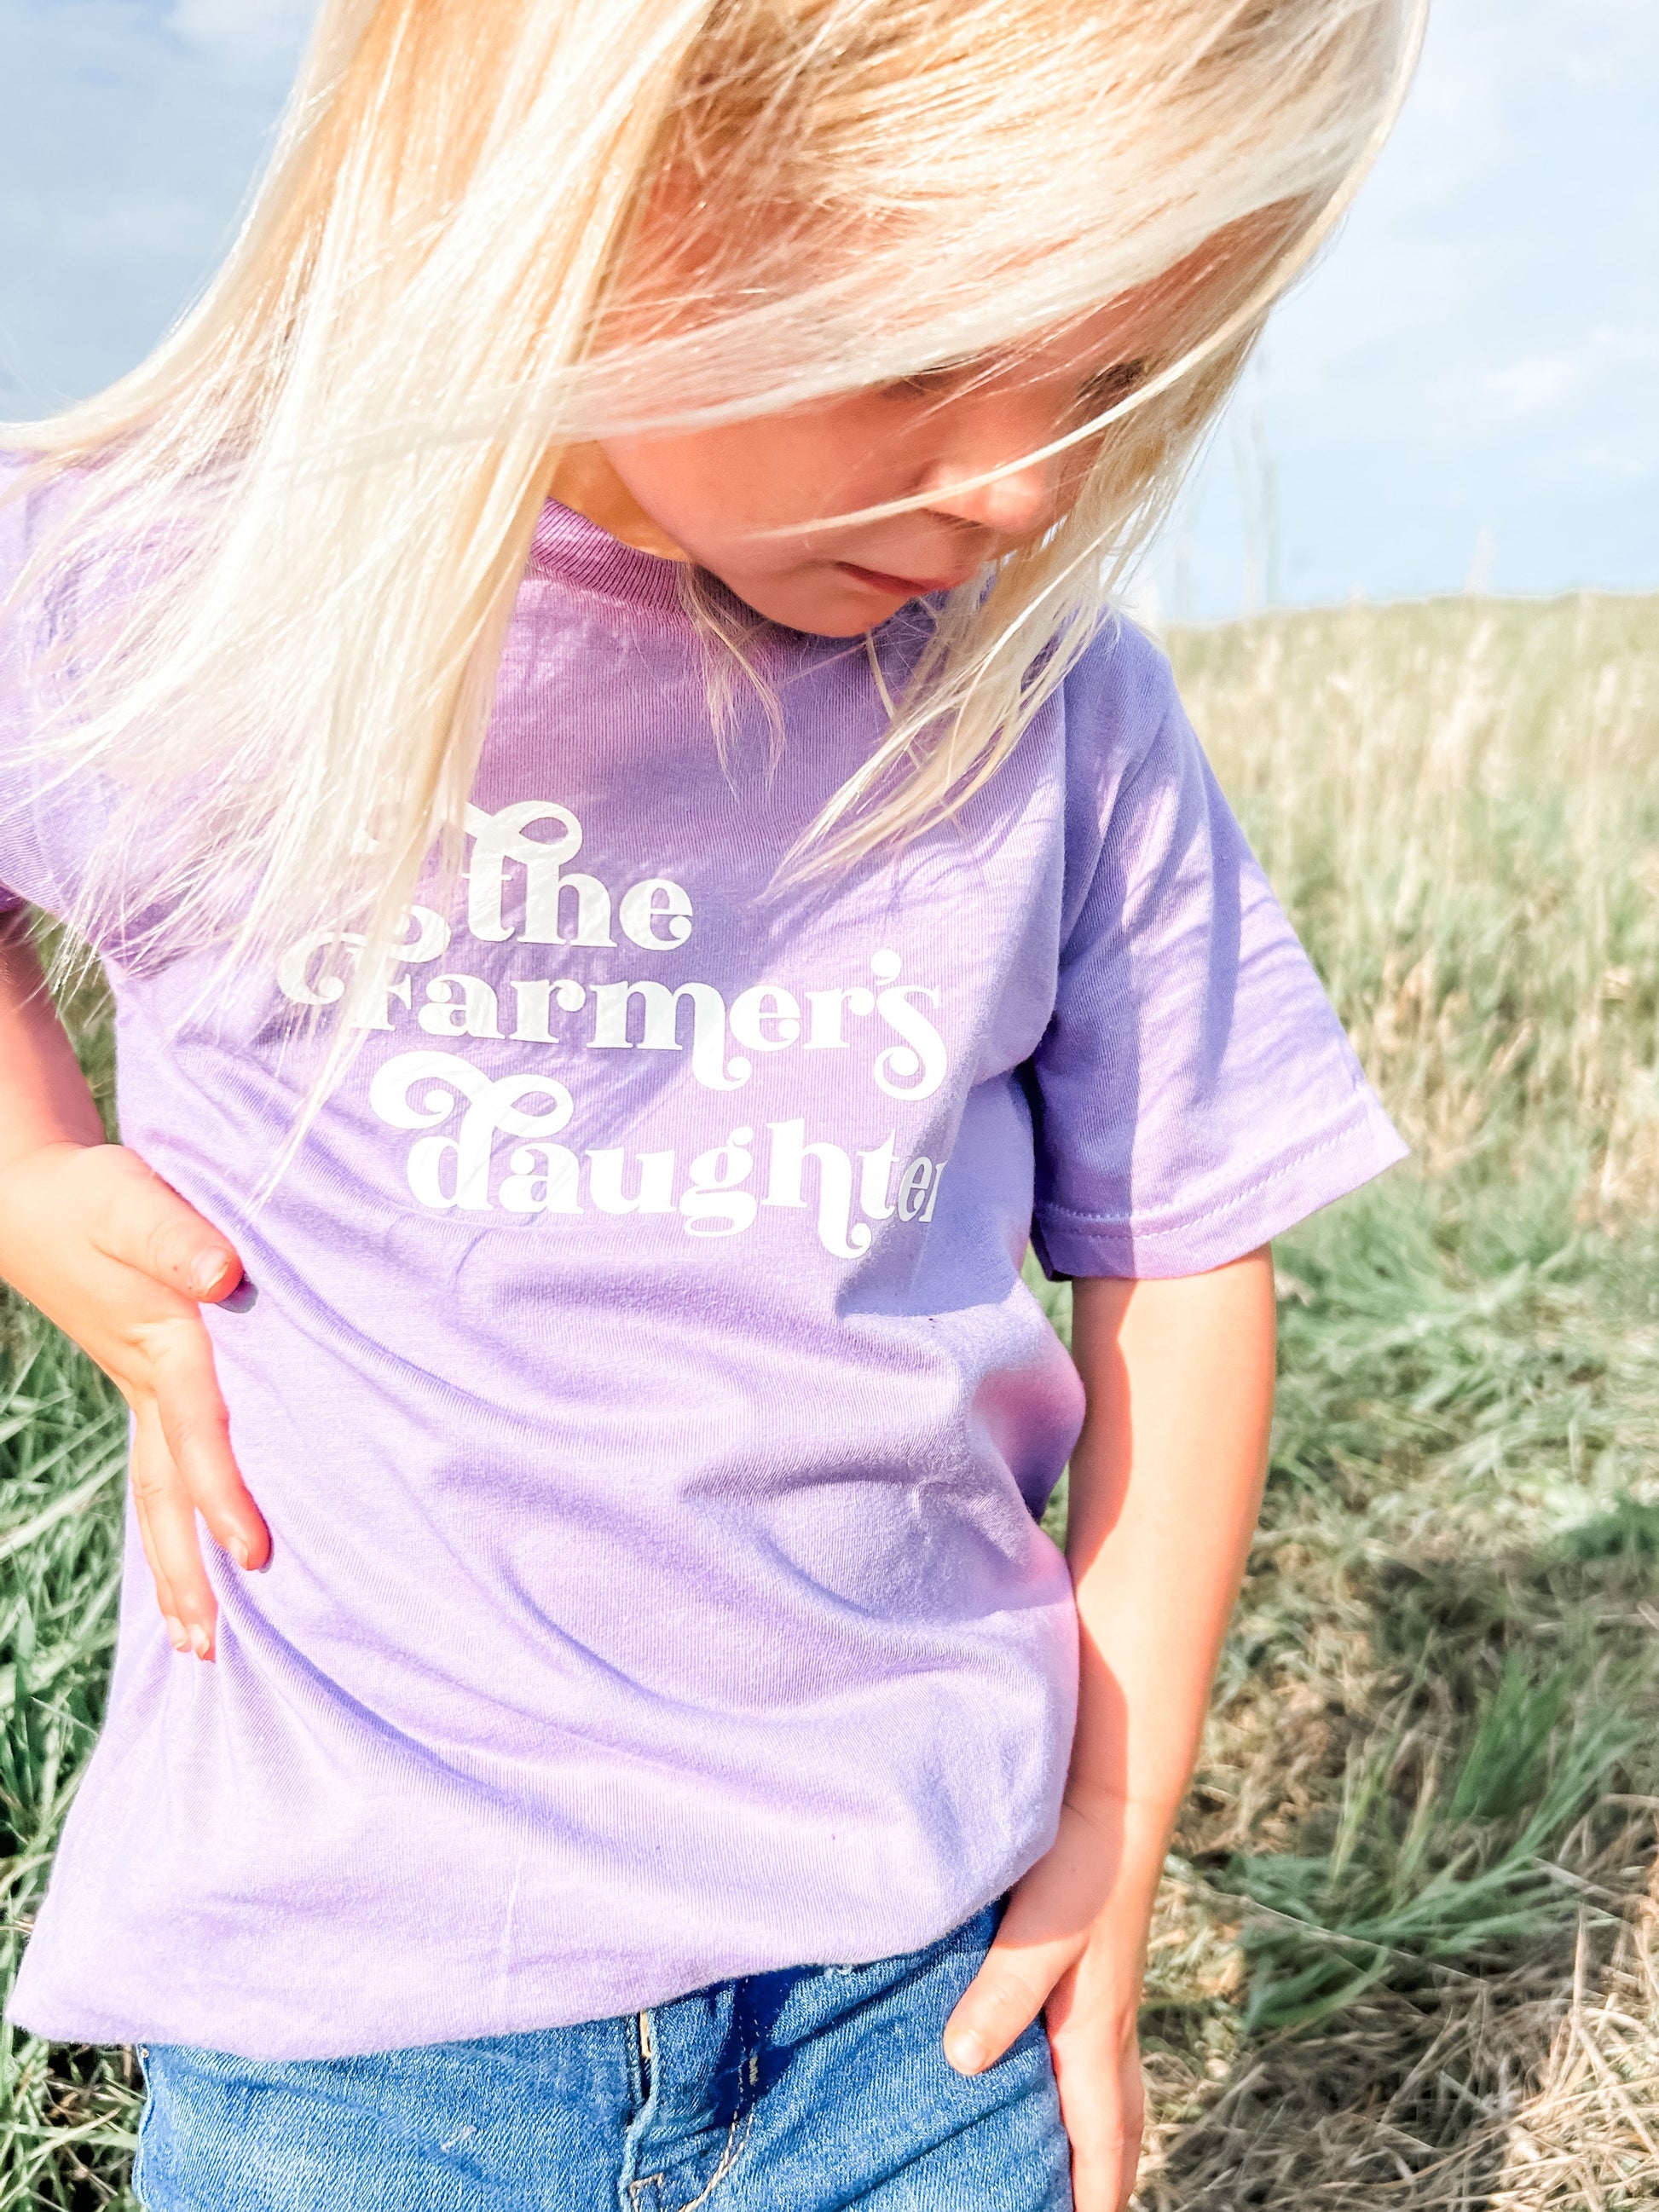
x=576, y=700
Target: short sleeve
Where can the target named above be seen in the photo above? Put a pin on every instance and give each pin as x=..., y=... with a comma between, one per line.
x=1195, y=1093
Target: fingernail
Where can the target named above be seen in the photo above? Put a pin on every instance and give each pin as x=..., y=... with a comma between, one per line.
x=207, y=1271
x=176, y=1636
x=966, y=2054
x=200, y=1641
x=240, y=1554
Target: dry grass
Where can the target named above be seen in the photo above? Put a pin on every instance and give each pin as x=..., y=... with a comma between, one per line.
x=1406, y=1955
x=1532, y=2089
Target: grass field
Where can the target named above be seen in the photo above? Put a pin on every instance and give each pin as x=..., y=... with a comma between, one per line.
x=1407, y=1953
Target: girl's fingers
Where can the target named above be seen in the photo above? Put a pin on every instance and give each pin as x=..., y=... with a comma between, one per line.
x=1006, y=1995
x=146, y=1442
x=143, y=1222
x=196, y=1429
x=1101, y=2103
x=166, y=1523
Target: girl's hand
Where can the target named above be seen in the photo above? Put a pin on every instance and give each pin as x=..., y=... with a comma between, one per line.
x=1072, y=1944
x=113, y=1255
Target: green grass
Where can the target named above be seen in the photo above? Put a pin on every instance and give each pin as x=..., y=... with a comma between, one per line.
x=1406, y=1955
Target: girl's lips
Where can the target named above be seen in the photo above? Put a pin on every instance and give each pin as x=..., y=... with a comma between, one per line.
x=904, y=587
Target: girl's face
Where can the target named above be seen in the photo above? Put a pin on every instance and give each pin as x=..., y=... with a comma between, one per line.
x=755, y=501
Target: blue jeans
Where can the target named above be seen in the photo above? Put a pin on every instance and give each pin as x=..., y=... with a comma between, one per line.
x=820, y=2087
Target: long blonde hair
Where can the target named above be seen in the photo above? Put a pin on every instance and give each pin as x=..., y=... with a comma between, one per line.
x=319, y=493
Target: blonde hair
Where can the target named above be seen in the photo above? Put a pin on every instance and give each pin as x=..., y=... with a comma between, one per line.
x=319, y=493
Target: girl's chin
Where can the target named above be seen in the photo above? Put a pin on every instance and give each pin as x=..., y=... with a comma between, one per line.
x=830, y=603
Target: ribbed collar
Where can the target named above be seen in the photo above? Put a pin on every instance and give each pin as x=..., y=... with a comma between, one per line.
x=571, y=550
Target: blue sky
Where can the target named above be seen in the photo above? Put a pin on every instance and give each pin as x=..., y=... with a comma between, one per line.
x=1464, y=391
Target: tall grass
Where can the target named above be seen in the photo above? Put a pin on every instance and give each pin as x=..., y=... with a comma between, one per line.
x=1406, y=1955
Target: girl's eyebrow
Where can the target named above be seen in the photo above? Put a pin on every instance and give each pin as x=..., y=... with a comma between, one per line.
x=944, y=372
x=1115, y=381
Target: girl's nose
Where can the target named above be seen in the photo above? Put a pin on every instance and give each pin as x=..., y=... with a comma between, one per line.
x=1014, y=505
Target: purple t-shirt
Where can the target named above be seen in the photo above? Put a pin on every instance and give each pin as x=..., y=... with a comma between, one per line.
x=641, y=1387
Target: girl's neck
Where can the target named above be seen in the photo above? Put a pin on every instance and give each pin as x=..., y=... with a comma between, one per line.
x=586, y=481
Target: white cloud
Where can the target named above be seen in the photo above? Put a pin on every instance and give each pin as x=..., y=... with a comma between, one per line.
x=1610, y=364
x=246, y=33
x=94, y=225
x=1531, y=387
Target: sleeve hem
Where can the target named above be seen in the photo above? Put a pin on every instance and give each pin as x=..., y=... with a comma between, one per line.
x=1192, y=1243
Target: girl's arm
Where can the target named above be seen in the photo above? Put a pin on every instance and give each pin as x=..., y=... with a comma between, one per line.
x=122, y=1264
x=1165, y=1486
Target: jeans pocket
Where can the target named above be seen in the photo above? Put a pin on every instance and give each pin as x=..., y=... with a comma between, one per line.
x=145, y=2117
